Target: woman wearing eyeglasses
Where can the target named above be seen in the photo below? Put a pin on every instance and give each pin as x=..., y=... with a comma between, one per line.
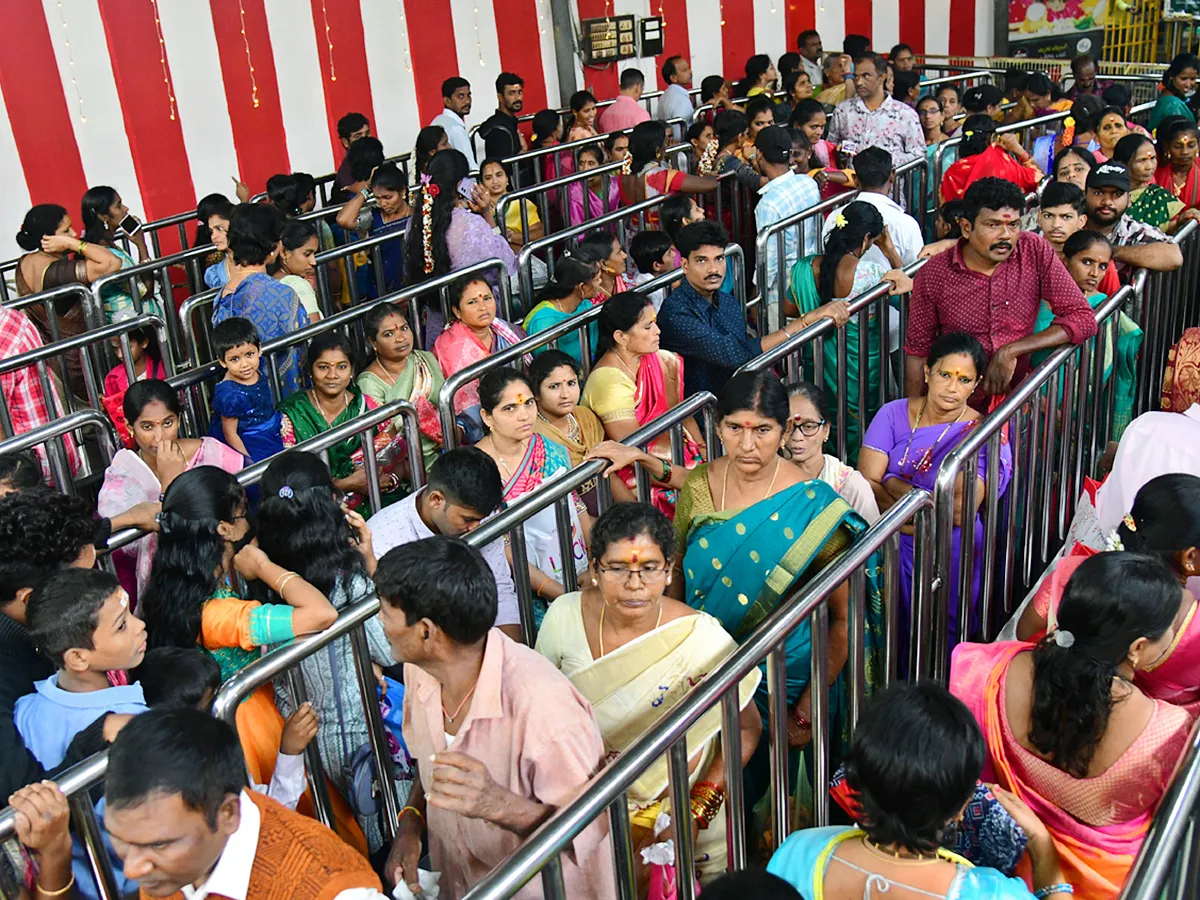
x=807, y=433
x=634, y=653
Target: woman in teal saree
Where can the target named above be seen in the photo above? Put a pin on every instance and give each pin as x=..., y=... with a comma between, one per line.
x=841, y=273
x=749, y=528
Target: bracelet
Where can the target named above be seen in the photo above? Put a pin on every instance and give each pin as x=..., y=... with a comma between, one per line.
x=420, y=815
x=282, y=582
x=706, y=800
x=60, y=891
x=666, y=475
x=366, y=194
x=1061, y=888
x=800, y=719
x=82, y=244
x=538, y=590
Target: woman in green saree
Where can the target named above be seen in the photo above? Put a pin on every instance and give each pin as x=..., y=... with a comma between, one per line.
x=1178, y=82
x=749, y=527
x=1087, y=255
x=840, y=273
x=334, y=399
x=1148, y=202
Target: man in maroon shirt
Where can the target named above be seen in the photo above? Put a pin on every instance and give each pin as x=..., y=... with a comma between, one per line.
x=992, y=285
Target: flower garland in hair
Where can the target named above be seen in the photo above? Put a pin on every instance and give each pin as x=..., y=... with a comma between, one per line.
x=1067, y=137
x=429, y=192
x=627, y=164
x=710, y=156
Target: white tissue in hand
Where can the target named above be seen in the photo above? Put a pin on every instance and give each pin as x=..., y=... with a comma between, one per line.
x=662, y=853
x=428, y=882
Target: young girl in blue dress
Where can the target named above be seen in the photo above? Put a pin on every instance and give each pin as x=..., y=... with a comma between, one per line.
x=244, y=414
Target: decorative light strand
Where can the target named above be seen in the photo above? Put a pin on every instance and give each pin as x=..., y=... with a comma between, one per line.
x=249, y=62
x=71, y=60
x=721, y=12
x=162, y=58
x=404, y=37
x=478, y=41
x=329, y=42
x=662, y=16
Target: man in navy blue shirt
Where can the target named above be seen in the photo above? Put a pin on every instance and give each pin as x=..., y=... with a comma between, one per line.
x=706, y=326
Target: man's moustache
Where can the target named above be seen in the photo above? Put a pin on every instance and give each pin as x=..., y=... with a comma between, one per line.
x=1001, y=245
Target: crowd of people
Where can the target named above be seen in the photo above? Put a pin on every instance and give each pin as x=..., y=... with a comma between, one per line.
x=1063, y=737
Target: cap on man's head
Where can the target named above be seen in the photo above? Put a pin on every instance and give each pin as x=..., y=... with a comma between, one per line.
x=775, y=145
x=1109, y=175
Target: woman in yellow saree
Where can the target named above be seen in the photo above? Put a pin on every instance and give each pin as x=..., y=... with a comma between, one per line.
x=1067, y=729
x=634, y=654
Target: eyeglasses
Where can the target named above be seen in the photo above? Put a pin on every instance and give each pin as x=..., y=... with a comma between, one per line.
x=808, y=428
x=623, y=575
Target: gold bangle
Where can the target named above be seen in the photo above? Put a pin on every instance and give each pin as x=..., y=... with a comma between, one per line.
x=420, y=815
x=282, y=582
x=45, y=893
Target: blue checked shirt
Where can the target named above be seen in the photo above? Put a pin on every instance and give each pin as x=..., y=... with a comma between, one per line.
x=779, y=199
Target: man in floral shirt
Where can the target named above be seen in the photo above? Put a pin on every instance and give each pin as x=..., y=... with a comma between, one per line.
x=875, y=119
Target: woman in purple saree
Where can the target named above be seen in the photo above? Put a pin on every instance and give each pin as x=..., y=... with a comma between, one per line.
x=903, y=449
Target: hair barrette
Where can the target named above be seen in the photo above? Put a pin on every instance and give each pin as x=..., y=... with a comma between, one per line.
x=1063, y=638
x=1129, y=523
x=286, y=492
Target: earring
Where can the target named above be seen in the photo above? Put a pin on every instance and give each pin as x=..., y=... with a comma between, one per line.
x=594, y=581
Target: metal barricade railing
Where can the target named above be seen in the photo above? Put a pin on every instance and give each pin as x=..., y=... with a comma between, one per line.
x=50, y=437
x=1169, y=305
x=1168, y=865
x=373, y=246
x=606, y=792
x=1052, y=422
x=285, y=660
x=179, y=222
x=529, y=162
x=794, y=355
x=540, y=196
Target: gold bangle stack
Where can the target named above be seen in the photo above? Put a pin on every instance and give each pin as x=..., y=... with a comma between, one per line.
x=283, y=580
x=706, y=802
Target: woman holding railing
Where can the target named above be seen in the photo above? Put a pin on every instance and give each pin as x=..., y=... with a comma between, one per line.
x=750, y=529
x=634, y=653
x=903, y=449
x=1164, y=522
x=333, y=400
x=649, y=175
x=475, y=333
x=527, y=461
x=1066, y=726
x=635, y=382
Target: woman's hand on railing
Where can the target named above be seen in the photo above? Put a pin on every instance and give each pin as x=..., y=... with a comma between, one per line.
x=901, y=282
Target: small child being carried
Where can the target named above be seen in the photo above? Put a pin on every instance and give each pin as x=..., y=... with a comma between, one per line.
x=244, y=414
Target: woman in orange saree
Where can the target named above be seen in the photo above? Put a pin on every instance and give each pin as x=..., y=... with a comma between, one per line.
x=1114, y=760
x=1164, y=522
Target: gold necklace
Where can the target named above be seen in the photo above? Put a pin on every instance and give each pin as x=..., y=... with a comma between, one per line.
x=500, y=456
x=600, y=632
x=725, y=481
x=617, y=354
x=312, y=395
x=927, y=456
x=388, y=376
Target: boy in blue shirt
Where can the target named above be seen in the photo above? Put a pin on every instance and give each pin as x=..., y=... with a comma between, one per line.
x=80, y=618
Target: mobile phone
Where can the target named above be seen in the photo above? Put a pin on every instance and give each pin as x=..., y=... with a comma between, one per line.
x=130, y=225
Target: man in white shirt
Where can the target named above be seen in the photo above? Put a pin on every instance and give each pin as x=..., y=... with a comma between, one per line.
x=676, y=102
x=182, y=821
x=464, y=488
x=873, y=167
x=456, y=98
x=809, y=45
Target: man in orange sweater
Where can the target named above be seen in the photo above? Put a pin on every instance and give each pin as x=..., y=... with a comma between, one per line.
x=185, y=826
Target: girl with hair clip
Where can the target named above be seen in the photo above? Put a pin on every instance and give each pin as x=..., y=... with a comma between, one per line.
x=1178, y=142
x=605, y=250
x=635, y=381
x=205, y=546
x=985, y=154
x=454, y=228
x=143, y=472
x=820, y=286
x=1164, y=522
x=1178, y=85
x=302, y=527
x=569, y=294
x=1067, y=727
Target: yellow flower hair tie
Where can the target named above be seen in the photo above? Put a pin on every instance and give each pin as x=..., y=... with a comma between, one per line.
x=969, y=134
x=839, y=221
x=1069, y=122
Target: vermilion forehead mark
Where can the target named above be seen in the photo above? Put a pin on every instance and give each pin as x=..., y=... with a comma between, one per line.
x=633, y=558
x=747, y=424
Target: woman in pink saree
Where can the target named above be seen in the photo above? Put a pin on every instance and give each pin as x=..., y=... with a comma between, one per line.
x=634, y=382
x=474, y=334
x=1164, y=522
x=1068, y=730
x=143, y=474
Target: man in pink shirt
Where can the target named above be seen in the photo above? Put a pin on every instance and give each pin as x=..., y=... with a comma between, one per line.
x=991, y=284
x=500, y=736
x=627, y=110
